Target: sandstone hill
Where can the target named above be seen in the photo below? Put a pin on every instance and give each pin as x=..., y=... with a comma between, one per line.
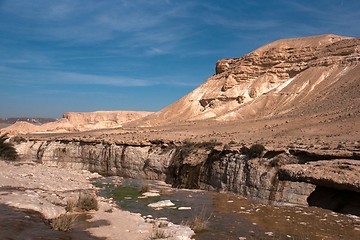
x=312, y=76
x=78, y=122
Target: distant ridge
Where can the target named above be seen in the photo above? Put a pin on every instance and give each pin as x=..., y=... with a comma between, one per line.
x=77, y=121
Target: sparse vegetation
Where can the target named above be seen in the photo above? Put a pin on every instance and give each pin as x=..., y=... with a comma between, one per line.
x=256, y=150
x=244, y=150
x=87, y=202
x=63, y=223
x=198, y=223
x=158, y=233
x=188, y=146
x=7, y=150
x=70, y=204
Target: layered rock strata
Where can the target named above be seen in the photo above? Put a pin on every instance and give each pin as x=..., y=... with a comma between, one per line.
x=195, y=165
x=282, y=77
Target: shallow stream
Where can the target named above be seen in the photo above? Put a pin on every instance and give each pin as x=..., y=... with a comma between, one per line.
x=17, y=224
x=231, y=216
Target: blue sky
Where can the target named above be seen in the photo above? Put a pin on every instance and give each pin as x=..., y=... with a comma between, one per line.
x=88, y=55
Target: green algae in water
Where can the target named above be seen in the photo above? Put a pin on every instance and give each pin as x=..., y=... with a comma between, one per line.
x=124, y=192
x=126, y=195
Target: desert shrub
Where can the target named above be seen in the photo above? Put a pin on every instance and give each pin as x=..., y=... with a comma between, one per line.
x=71, y=204
x=244, y=150
x=87, y=202
x=189, y=147
x=63, y=223
x=209, y=145
x=198, y=223
x=256, y=150
x=158, y=233
x=7, y=149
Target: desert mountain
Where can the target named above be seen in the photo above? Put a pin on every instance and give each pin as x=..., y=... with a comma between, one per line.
x=78, y=121
x=294, y=77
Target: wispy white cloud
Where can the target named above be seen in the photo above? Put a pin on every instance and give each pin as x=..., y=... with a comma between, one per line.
x=89, y=79
x=18, y=77
x=131, y=23
x=23, y=77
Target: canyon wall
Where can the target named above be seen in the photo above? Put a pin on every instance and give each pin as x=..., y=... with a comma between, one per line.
x=323, y=178
x=187, y=165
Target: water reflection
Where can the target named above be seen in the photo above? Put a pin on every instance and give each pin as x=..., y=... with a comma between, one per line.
x=234, y=217
x=16, y=224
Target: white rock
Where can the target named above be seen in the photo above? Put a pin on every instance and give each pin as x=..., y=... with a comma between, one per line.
x=184, y=208
x=161, y=204
x=150, y=194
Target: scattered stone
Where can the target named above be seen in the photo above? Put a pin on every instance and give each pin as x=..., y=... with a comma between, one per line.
x=162, y=204
x=184, y=208
x=149, y=194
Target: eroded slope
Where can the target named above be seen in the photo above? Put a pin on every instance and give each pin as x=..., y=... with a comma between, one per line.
x=297, y=76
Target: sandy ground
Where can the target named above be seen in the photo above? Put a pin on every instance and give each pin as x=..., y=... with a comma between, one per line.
x=310, y=132
x=46, y=189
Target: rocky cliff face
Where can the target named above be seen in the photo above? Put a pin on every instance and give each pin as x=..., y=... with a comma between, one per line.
x=279, y=176
x=283, y=77
x=188, y=165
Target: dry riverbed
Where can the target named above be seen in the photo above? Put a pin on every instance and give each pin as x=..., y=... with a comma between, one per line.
x=47, y=190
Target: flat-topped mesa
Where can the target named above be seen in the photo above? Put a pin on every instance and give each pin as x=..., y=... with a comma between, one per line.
x=103, y=116
x=78, y=121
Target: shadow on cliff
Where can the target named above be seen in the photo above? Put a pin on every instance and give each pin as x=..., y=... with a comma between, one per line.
x=342, y=201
